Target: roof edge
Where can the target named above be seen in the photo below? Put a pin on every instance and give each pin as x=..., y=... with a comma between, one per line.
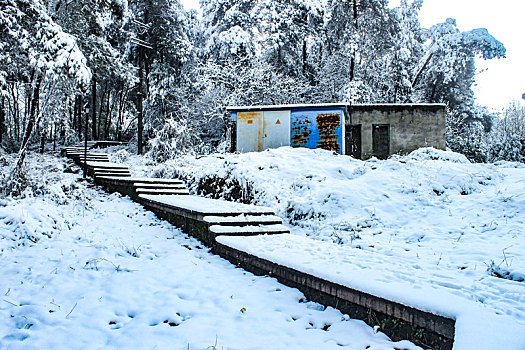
x=334, y=105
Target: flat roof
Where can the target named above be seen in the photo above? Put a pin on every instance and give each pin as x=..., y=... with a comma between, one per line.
x=292, y=106
x=336, y=105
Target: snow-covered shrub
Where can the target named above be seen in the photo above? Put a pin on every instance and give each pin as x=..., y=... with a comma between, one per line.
x=430, y=153
x=507, y=138
x=498, y=271
x=468, y=138
x=175, y=138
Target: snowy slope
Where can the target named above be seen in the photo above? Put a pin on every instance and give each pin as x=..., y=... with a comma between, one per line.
x=430, y=219
x=85, y=270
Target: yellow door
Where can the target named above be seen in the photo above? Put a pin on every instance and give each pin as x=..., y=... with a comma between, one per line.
x=249, y=131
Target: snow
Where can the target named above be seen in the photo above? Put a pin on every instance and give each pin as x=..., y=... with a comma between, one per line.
x=321, y=105
x=140, y=180
x=239, y=219
x=112, y=276
x=392, y=280
x=429, y=229
x=106, y=165
x=206, y=205
x=261, y=229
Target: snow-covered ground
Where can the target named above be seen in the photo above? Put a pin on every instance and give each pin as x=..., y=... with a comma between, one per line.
x=82, y=269
x=427, y=221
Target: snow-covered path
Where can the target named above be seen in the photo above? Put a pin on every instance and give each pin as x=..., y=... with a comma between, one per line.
x=114, y=276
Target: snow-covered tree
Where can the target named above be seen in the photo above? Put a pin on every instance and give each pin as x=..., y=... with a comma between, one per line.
x=359, y=37
x=446, y=72
x=228, y=29
x=507, y=137
x=38, y=59
x=99, y=27
x=290, y=36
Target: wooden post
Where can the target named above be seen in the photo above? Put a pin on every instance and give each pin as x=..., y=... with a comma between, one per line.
x=94, y=107
x=140, y=100
x=85, y=141
x=55, y=137
x=2, y=118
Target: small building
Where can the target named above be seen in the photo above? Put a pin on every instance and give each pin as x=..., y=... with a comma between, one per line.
x=361, y=131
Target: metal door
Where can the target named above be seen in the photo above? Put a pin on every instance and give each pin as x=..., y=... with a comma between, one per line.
x=381, y=140
x=317, y=129
x=276, y=129
x=355, y=141
x=249, y=131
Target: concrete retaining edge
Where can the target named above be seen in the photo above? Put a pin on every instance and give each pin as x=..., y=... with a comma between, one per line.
x=396, y=320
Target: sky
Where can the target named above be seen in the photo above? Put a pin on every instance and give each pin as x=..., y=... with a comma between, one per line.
x=500, y=80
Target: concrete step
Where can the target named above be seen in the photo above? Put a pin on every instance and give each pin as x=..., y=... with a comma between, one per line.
x=159, y=186
x=200, y=207
x=181, y=191
x=106, y=168
x=108, y=174
x=219, y=230
x=112, y=172
x=91, y=159
x=104, y=165
x=153, y=180
x=243, y=220
x=81, y=153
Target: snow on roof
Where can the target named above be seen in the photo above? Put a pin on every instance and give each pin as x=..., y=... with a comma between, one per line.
x=290, y=106
x=335, y=105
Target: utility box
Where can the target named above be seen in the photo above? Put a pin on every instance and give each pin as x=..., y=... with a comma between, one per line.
x=361, y=131
x=256, y=128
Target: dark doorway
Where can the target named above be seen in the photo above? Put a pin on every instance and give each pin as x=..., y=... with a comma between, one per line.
x=381, y=140
x=353, y=141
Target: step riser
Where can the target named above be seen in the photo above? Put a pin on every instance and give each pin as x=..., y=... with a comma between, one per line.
x=167, y=194
x=108, y=170
x=174, y=188
x=252, y=233
x=247, y=223
x=114, y=175
x=159, y=186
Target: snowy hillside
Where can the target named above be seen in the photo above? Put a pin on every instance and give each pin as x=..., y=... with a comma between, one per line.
x=82, y=269
x=430, y=217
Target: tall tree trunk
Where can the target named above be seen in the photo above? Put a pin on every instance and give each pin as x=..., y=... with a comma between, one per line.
x=304, y=57
x=94, y=107
x=418, y=74
x=30, y=126
x=139, y=102
x=356, y=24
x=79, y=116
x=119, y=115
x=55, y=137
x=2, y=118
x=101, y=108
x=32, y=112
x=15, y=113
x=109, y=113
x=43, y=140
x=352, y=67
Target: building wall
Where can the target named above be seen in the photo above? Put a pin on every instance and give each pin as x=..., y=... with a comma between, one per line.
x=318, y=128
x=411, y=126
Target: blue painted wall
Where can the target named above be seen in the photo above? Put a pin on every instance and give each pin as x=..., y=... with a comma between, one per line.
x=308, y=130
